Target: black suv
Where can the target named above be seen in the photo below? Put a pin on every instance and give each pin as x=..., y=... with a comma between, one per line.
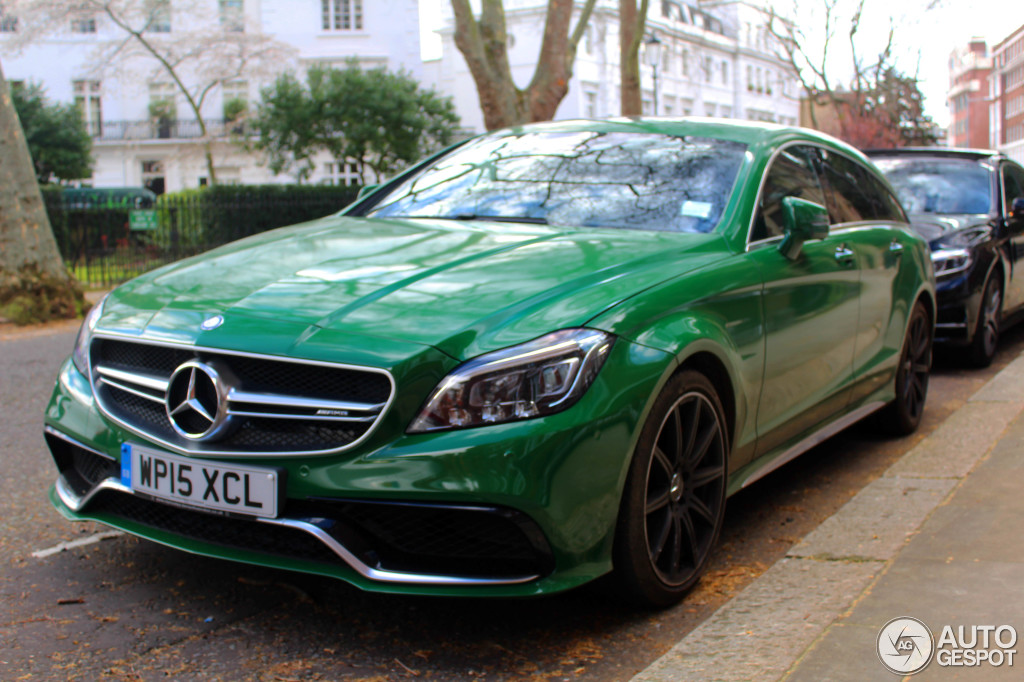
x=969, y=205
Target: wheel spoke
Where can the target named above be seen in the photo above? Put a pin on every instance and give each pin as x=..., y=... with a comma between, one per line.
x=702, y=510
x=657, y=503
x=677, y=545
x=663, y=533
x=691, y=534
x=689, y=426
x=702, y=477
x=702, y=444
x=666, y=464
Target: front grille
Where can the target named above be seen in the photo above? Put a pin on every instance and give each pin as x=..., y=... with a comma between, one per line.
x=274, y=406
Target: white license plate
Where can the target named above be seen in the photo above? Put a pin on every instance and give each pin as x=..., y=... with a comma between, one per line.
x=229, y=488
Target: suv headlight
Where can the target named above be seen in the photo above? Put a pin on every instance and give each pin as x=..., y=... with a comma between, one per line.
x=537, y=378
x=80, y=354
x=948, y=261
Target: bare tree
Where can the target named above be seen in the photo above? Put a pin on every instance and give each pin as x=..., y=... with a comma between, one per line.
x=862, y=107
x=34, y=285
x=632, y=22
x=483, y=42
x=213, y=49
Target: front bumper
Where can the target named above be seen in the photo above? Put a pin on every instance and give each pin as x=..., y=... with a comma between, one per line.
x=508, y=510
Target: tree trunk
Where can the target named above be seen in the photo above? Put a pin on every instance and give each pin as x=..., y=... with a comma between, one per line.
x=34, y=285
x=483, y=44
x=632, y=21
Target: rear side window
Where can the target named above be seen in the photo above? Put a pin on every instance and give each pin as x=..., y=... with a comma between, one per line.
x=1013, y=186
x=855, y=194
x=791, y=174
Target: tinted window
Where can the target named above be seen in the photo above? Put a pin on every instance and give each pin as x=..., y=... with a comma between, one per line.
x=791, y=174
x=939, y=185
x=855, y=193
x=579, y=178
x=1013, y=185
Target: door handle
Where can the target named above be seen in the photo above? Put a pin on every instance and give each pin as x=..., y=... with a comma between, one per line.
x=895, y=248
x=844, y=255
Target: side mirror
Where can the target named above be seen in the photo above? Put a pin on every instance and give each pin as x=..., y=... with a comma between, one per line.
x=1017, y=208
x=365, y=190
x=802, y=220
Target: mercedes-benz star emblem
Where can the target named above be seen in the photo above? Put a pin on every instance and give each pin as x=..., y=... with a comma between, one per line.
x=197, y=400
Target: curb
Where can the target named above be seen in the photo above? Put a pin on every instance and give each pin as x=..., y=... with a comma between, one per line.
x=766, y=630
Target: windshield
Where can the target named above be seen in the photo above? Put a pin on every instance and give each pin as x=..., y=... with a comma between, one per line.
x=585, y=179
x=939, y=185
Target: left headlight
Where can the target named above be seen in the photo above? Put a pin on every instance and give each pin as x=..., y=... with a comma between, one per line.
x=540, y=377
x=80, y=354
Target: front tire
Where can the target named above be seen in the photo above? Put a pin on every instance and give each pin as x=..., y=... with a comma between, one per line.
x=903, y=415
x=673, y=505
x=986, y=335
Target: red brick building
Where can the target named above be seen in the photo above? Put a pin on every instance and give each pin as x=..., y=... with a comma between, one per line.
x=1007, y=110
x=969, y=71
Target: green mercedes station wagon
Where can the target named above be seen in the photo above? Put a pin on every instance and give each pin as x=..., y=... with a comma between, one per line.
x=545, y=355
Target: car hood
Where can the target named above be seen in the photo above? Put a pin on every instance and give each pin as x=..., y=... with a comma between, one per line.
x=932, y=226
x=461, y=287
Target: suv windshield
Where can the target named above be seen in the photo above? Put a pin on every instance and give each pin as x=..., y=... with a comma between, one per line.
x=582, y=178
x=939, y=185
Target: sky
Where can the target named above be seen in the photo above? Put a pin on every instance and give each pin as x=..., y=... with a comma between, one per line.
x=924, y=38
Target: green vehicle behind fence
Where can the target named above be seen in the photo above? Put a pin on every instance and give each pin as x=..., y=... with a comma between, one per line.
x=546, y=355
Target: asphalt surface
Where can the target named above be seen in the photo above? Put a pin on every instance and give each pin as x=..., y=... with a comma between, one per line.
x=126, y=609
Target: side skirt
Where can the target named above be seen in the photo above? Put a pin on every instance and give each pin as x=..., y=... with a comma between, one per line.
x=764, y=465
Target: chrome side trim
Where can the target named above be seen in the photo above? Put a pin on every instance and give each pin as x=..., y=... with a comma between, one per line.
x=814, y=439
x=389, y=576
x=76, y=503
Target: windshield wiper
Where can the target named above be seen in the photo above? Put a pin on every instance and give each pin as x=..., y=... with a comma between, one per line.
x=498, y=218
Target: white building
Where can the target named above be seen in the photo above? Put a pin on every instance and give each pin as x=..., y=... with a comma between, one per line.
x=131, y=148
x=716, y=60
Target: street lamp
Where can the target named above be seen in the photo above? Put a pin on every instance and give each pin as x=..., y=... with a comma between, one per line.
x=652, y=57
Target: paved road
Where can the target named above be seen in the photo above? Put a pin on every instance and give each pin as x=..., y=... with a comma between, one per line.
x=126, y=609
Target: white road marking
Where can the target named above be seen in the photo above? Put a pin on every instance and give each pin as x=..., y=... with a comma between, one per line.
x=81, y=542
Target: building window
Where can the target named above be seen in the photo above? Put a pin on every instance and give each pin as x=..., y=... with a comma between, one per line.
x=341, y=173
x=725, y=72
x=83, y=24
x=8, y=22
x=341, y=15
x=159, y=16
x=685, y=63
x=153, y=176
x=87, y=99
x=232, y=17
x=590, y=104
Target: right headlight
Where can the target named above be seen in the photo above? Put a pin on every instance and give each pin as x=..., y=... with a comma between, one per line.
x=537, y=378
x=949, y=261
x=80, y=354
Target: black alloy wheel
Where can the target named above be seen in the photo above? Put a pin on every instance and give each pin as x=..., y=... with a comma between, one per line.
x=903, y=415
x=986, y=334
x=674, y=502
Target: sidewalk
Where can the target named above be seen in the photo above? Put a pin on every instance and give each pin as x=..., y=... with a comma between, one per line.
x=938, y=538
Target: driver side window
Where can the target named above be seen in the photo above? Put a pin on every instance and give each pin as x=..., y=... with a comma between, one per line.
x=793, y=173
x=1013, y=186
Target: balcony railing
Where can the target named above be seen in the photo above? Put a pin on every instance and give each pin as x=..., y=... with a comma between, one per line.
x=166, y=129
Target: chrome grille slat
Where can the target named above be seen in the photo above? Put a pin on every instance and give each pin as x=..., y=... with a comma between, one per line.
x=341, y=407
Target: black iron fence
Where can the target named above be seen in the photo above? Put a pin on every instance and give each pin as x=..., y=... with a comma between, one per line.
x=104, y=245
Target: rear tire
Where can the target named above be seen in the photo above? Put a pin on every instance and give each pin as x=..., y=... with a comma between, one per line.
x=673, y=505
x=986, y=334
x=903, y=415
